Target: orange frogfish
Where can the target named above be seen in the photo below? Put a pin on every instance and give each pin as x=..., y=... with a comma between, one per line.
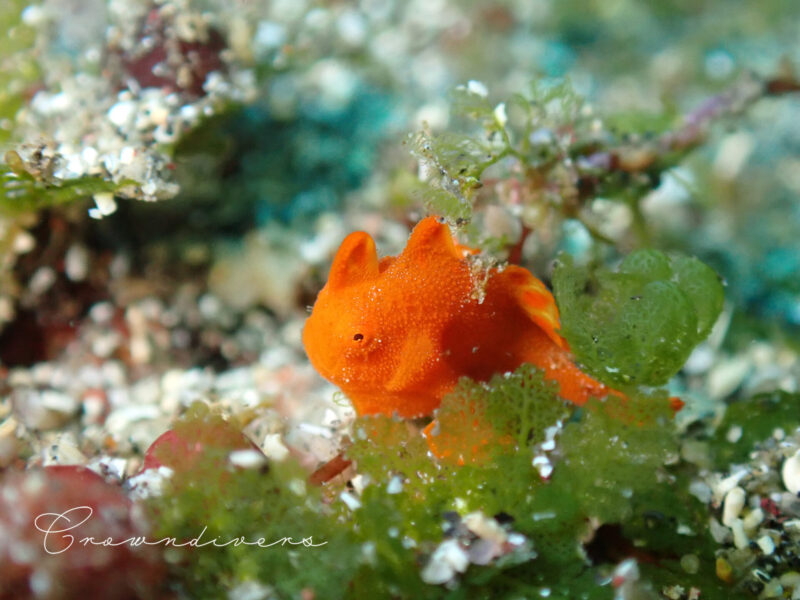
x=396, y=333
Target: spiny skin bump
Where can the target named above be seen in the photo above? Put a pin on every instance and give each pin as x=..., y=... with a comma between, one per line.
x=396, y=334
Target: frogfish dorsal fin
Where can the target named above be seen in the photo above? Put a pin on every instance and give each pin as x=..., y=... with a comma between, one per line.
x=537, y=301
x=430, y=239
x=355, y=261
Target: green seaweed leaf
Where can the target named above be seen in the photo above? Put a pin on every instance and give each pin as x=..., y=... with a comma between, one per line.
x=24, y=192
x=636, y=326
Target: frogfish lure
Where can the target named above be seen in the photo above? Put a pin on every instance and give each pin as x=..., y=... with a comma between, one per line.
x=396, y=333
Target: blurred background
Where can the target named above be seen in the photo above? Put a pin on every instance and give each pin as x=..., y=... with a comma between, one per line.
x=189, y=167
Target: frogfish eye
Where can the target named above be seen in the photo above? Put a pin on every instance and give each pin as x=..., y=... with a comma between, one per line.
x=358, y=337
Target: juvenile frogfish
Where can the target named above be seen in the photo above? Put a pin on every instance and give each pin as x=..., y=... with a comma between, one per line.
x=396, y=333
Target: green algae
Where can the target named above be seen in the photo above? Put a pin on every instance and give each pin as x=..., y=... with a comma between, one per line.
x=492, y=133
x=617, y=487
x=611, y=459
x=24, y=191
x=637, y=325
x=519, y=407
x=615, y=465
x=758, y=417
x=269, y=503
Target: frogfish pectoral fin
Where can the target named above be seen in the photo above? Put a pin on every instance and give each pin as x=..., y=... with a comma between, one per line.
x=414, y=363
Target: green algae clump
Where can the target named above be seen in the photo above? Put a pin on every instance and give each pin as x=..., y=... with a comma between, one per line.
x=251, y=513
x=616, y=483
x=637, y=325
x=511, y=413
